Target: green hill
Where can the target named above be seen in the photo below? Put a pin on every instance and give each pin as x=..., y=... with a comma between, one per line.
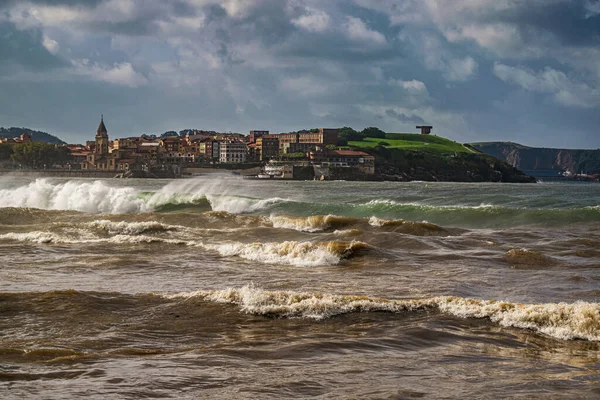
x=405, y=157
x=36, y=136
x=411, y=141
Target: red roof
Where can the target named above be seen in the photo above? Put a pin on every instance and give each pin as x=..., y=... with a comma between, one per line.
x=352, y=153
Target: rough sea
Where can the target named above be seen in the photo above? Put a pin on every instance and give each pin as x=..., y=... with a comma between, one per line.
x=219, y=287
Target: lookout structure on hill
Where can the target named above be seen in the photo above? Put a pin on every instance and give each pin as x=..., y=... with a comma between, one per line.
x=425, y=129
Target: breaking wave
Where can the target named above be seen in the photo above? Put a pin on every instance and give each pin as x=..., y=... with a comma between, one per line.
x=313, y=223
x=303, y=254
x=99, y=197
x=91, y=197
x=579, y=320
x=286, y=253
x=199, y=195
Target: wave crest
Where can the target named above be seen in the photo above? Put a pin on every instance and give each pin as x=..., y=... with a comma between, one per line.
x=580, y=320
x=292, y=252
x=313, y=223
x=408, y=227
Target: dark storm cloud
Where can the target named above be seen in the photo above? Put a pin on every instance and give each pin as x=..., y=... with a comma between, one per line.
x=568, y=21
x=293, y=64
x=84, y=3
x=20, y=49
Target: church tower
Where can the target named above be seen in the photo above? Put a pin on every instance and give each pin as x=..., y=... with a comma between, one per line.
x=101, y=139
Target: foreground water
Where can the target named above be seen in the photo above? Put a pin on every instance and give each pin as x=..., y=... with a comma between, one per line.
x=222, y=287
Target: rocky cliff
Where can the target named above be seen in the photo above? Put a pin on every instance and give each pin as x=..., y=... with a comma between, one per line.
x=538, y=159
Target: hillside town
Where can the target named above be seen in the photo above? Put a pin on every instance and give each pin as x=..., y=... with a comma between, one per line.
x=271, y=155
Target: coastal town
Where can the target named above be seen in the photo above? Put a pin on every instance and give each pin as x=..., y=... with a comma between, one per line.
x=310, y=154
x=263, y=154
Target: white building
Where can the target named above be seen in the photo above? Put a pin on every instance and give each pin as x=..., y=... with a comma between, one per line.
x=232, y=152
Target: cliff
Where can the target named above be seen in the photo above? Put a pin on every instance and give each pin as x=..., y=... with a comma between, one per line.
x=537, y=159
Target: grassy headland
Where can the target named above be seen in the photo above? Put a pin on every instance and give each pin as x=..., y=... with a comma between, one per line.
x=403, y=156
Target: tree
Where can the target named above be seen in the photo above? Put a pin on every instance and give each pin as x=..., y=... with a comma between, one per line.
x=373, y=132
x=40, y=155
x=5, y=151
x=348, y=134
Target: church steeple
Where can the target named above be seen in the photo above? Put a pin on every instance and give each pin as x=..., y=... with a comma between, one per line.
x=102, y=128
x=101, y=148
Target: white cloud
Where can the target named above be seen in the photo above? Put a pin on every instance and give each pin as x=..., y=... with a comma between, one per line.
x=51, y=45
x=356, y=29
x=459, y=70
x=122, y=74
x=498, y=37
x=413, y=85
x=563, y=90
x=313, y=21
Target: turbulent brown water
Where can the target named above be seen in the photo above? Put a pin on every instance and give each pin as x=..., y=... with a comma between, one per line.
x=218, y=287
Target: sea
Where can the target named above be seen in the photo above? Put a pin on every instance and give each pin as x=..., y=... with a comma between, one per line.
x=224, y=288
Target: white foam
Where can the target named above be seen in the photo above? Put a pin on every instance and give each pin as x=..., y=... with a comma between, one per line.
x=431, y=207
x=35, y=237
x=48, y=237
x=99, y=197
x=130, y=228
x=303, y=254
x=241, y=205
x=579, y=320
x=93, y=197
x=313, y=223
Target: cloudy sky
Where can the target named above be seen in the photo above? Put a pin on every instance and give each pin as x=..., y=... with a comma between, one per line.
x=478, y=70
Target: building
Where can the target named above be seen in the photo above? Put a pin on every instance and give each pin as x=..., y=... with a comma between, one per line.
x=286, y=138
x=100, y=158
x=267, y=147
x=299, y=147
x=210, y=149
x=345, y=158
x=232, y=152
x=255, y=134
x=23, y=138
x=425, y=129
x=322, y=136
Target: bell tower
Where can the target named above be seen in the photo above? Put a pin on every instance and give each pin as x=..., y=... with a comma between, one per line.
x=101, y=139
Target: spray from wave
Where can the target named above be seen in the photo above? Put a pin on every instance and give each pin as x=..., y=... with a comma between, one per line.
x=100, y=197
x=580, y=320
x=91, y=197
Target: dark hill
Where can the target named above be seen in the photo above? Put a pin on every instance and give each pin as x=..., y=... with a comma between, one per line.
x=37, y=136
